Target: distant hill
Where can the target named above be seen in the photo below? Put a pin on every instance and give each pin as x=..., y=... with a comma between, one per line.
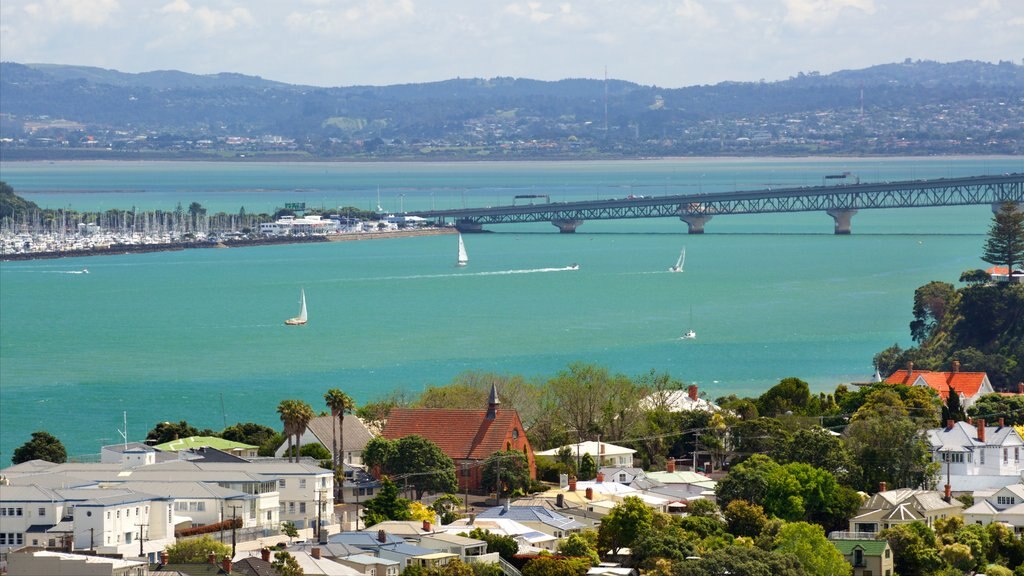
x=940, y=105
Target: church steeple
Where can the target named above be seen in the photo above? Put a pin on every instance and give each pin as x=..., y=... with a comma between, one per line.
x=492, y=403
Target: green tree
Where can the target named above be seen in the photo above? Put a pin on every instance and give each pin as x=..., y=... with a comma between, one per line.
x=340, y=404
x=745, y=519
x=913, y=548
x=789, y=395
x=671, y=542
x=952, y=409
x=505, y=546
x=289, y=530
x=995, y=406
x=759, y=436
x=446, y=507
x=551, y=566
x=286, y=564
x=196, y=550
x=1005, y=243
x=745, y=560
x=931, y=303
x=249, y=433
x=821, y=449
x=295, y=415
x=624, y=523
x=168, y=431
x=513, y=468
x=12, y=205
x=884, y=436
x=423, y=465
x=975, y=277
x=588, y=469
x=577, y=545
x=816, y=554
x=386, y=505
x=42, y=446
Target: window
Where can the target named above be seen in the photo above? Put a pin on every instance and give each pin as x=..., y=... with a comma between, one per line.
x=281, y=483
x=282, y=507
x=302, y=483
x=1006, y=459
x=622, y=477
x=270, y=515
x=1006, y=500
x=1016, y=454
x=515, y=433
x=302, y=507
x=888, y=552
x=42, y=511
x=954, y=457
x=981, y=456
x=127, y=537
x=858, y=557
x=291, y=507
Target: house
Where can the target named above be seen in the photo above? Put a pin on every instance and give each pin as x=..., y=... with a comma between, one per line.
x=468, y=437
x=678, y=401
x=603, y=453
x=888, y=508
x=977, y=457
x=369, y=565
x=867, y=556
x=193, y=442
x=681, y=484
x=313, y=563
x=539, y=518
x=1005, y=505
x=411, y=555
x=970, y=386
x=526, y=537
x=32, y=562
x=324, y=430
x=1002, y=274
x=468, y=549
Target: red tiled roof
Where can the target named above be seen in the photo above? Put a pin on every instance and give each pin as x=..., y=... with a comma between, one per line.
x=1002, y=270
x=461, y=434
x=965, y=383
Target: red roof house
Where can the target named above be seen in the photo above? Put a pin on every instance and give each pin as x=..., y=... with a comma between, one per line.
x=969, y=385
x=467, y=436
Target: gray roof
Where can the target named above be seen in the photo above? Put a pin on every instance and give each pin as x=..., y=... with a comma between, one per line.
x=129, y=447
x=356, y=434
x=963, y=437
x=532, y=514
x=367, y=560
x=364, y=539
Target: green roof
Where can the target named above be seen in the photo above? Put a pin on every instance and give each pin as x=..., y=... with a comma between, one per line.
x=870, y=547
x=203, y=441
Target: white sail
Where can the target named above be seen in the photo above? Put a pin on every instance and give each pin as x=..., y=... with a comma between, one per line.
x=679, y=263
x=463, y=257
x=301, y=318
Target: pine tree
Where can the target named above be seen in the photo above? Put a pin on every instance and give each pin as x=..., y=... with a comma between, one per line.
x=1005, y=244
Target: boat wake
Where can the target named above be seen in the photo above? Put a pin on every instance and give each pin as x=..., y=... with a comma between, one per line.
x=490, y=273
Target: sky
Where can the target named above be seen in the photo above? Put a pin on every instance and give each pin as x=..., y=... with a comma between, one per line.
x=667, y=43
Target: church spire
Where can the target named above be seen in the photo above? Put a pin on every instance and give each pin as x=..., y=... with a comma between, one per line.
x=492, y=403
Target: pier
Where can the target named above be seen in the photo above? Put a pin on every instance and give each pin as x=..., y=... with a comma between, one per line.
x=839, y=201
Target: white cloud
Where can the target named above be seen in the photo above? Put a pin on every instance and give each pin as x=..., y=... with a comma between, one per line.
x=176, y=7
x=694, y=12
x=820, y=13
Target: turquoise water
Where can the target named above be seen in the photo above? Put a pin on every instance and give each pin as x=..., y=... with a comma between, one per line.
x=178, y=335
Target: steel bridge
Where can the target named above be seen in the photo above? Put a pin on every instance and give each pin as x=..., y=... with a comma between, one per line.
x=840, y=202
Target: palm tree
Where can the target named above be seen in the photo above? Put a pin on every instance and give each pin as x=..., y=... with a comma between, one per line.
x=295, y=414
x=339, y=403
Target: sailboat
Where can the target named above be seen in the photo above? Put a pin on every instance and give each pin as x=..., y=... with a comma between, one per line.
x=689, y=334
x=679, y=263
x=301, y=318
x=463, y=257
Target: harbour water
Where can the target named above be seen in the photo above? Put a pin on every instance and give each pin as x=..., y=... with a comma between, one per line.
x=199, y=334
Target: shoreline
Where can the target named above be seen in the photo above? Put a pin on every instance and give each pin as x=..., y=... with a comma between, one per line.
x=177, y=246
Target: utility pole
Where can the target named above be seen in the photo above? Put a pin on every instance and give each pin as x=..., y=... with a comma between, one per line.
x=234, y=524
x=319, y=516
x=142, y=538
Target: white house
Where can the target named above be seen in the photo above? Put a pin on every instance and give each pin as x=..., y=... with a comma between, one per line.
x=888, y=508
x=678, y=401
x=49, y=563
x=977, y=457
x=1004, y=505
x=603, y=453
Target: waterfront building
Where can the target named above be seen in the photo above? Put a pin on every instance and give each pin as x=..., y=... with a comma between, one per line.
x=977, y=456
x=1004, y=505
x=679, y=401
x=323, y=430
x=970, y=386
x=309, y=225
x=603, y=453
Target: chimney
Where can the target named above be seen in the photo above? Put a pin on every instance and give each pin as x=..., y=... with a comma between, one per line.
x=315, y=553
x=1020, y=387
x=981, y=430
x=164, y=558
x=881, y=486
x=910, y=368
x=692, y=392
x=949, y=493
x=382, y=536
x=572, y=483
x=426, y=526
x=956, y=366
x=560, y=500
x=225, y=563
x=949, y=424
x=600, y=477
x=265, y=554
x=670, y=464
x=212, y=558
x=1001, y=422
x=590, y=493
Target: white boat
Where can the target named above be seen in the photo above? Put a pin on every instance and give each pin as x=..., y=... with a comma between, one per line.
x=463, y=257
x=679, y=263
x=301, y=318
x=573, y=266
x=689, y=334
x=85, y=271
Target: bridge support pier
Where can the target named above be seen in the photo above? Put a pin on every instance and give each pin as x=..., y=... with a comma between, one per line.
x=695, y=224
x=567, y=226
x=468, y=226
x=842, y=218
